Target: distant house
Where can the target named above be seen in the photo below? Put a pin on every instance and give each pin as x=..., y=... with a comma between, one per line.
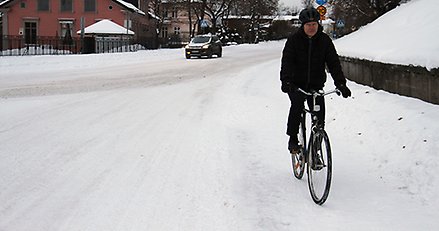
x=179, y=22
x=62, y=18
x=292, y=20
x=250, y=29
x=105, y=36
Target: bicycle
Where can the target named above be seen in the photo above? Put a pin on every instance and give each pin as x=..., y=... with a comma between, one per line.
x=317, y=156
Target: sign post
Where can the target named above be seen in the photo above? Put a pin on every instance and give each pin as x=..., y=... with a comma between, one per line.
x=322, y=12
x=321, y=9
x=82, y=24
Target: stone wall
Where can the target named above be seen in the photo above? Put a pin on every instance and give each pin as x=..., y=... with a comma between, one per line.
x=413, y=81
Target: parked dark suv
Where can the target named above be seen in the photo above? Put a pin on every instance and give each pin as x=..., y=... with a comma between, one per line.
x=204, y=45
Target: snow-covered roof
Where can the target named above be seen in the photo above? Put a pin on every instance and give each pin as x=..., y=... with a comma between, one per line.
x=154, y=16
x=130, y=6
x=173, y=1
x=4, y=2
x=106, y=26
x=327, y=21
x=249, y=17
x=286, y=17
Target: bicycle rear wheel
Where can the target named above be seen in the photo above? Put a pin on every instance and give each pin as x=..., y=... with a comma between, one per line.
x=298, y=159
x=319, y=166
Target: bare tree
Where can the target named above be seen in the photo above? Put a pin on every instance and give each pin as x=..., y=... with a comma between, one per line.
x=356, y=13
x=212, y=9
x=253, y=11
x=216, y=9
x=307, y=3
x=287, y=10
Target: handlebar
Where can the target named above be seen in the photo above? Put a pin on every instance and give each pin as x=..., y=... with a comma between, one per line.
x=319, y=93
x=314, y=95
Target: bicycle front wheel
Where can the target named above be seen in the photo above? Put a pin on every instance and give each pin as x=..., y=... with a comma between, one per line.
x=319, y=166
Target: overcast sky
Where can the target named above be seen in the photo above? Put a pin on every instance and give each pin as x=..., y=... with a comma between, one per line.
x=291, y=3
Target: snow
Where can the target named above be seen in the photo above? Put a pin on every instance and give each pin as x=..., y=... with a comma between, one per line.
x=3, y=2
x=286, y=17
x=406, y=35
x=106, y=26
x=152, y=141
x=130, y=6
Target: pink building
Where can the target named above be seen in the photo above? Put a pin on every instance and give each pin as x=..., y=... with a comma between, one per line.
x=39, y=18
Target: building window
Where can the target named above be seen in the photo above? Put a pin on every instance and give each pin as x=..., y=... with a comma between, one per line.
x=66, y=32
x=127, y=24
x=30, y=32
x=176, y=30
x=174, y=12
x=22, y=4
x=165, y=13
x=66, y=5
x=89, y=5
x=43, y=5
x=164, y=32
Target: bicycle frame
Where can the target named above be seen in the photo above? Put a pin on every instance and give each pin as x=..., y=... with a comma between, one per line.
x=314, y=95
x=313, y=111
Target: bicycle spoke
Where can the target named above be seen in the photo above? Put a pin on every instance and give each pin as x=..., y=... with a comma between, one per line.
x=298, y=159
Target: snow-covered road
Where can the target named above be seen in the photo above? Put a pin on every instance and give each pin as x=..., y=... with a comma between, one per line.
x=152, y=141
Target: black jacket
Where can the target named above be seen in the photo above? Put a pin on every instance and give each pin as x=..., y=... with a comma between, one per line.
x=304, y=60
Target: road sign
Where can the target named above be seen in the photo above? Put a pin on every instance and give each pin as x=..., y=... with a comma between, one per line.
x=321, y=10
x=340, y=23
x=204, y=23
x=321, y=2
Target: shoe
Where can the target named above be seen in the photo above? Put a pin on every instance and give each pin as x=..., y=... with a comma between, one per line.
x=295, y=149
x=293, y=146
x=318, y=144
x=317, y=163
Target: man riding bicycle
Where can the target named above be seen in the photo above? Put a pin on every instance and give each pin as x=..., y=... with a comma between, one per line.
x=304, y=58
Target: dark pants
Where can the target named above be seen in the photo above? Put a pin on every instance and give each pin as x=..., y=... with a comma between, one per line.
x=297, y=105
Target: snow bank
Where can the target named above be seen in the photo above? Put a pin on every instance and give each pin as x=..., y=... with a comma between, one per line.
x=406, y=35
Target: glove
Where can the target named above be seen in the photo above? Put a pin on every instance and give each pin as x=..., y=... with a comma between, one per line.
x=288, y=87
x=345, y=92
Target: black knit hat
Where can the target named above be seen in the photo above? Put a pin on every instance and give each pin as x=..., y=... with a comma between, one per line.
x=309, y=14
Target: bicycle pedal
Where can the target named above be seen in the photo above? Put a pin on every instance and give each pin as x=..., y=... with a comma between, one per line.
x=317, y=167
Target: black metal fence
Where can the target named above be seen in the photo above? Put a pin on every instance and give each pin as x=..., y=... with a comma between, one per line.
x=17, y=45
